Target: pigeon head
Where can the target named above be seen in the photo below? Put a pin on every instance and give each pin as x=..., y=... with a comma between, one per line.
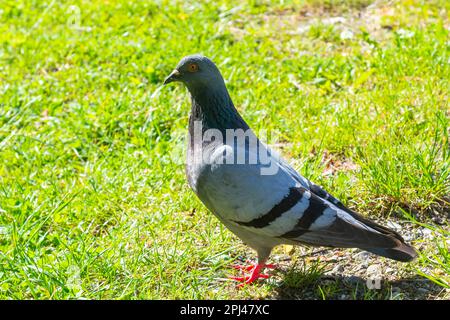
x=197, y=72
x=211, y=102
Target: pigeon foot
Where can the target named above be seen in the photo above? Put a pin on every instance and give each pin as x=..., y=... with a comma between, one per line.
x=254, y=275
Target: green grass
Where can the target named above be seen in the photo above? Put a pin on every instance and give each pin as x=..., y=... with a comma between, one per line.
x=93, y=199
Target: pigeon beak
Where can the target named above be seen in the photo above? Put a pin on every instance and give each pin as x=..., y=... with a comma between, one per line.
x=174, y=76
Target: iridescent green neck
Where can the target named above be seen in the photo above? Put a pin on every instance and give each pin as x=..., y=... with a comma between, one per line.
x=215, y=109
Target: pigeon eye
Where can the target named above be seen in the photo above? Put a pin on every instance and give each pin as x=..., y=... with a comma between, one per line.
x=193, y=67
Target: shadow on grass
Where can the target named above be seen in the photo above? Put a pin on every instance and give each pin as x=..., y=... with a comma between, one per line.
x=296, y=286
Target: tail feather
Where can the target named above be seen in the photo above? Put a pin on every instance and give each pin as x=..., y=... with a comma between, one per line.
x=403, y=253
x=348, y=230
x=368, y=236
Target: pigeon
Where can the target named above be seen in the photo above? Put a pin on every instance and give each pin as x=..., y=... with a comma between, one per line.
x=254, y=192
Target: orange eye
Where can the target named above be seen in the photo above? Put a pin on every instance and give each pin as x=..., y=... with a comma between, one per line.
x=193, y=67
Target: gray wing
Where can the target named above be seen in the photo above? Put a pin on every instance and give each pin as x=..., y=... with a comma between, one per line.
x=317, y=190
x=315, y=217
x=309, y=219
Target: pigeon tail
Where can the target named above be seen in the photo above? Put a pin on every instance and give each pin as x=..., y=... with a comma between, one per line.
x=400, y=252
x=403, y=252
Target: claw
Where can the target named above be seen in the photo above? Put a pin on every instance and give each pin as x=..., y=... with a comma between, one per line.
x=244, y=268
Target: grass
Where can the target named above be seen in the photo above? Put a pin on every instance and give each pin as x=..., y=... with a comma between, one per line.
x=93, y=199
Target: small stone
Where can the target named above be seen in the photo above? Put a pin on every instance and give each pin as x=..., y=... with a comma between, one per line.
x=374, y=269
x=364, y=265
x=396, y=289
x=427, y=233
x=394, y=225
x=364, y=255
x=389, y=270
x=410, y=237
x=338, y=269
x=333, y=258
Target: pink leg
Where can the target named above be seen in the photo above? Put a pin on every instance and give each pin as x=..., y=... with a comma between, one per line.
x=255, y=273
x=252, y=266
